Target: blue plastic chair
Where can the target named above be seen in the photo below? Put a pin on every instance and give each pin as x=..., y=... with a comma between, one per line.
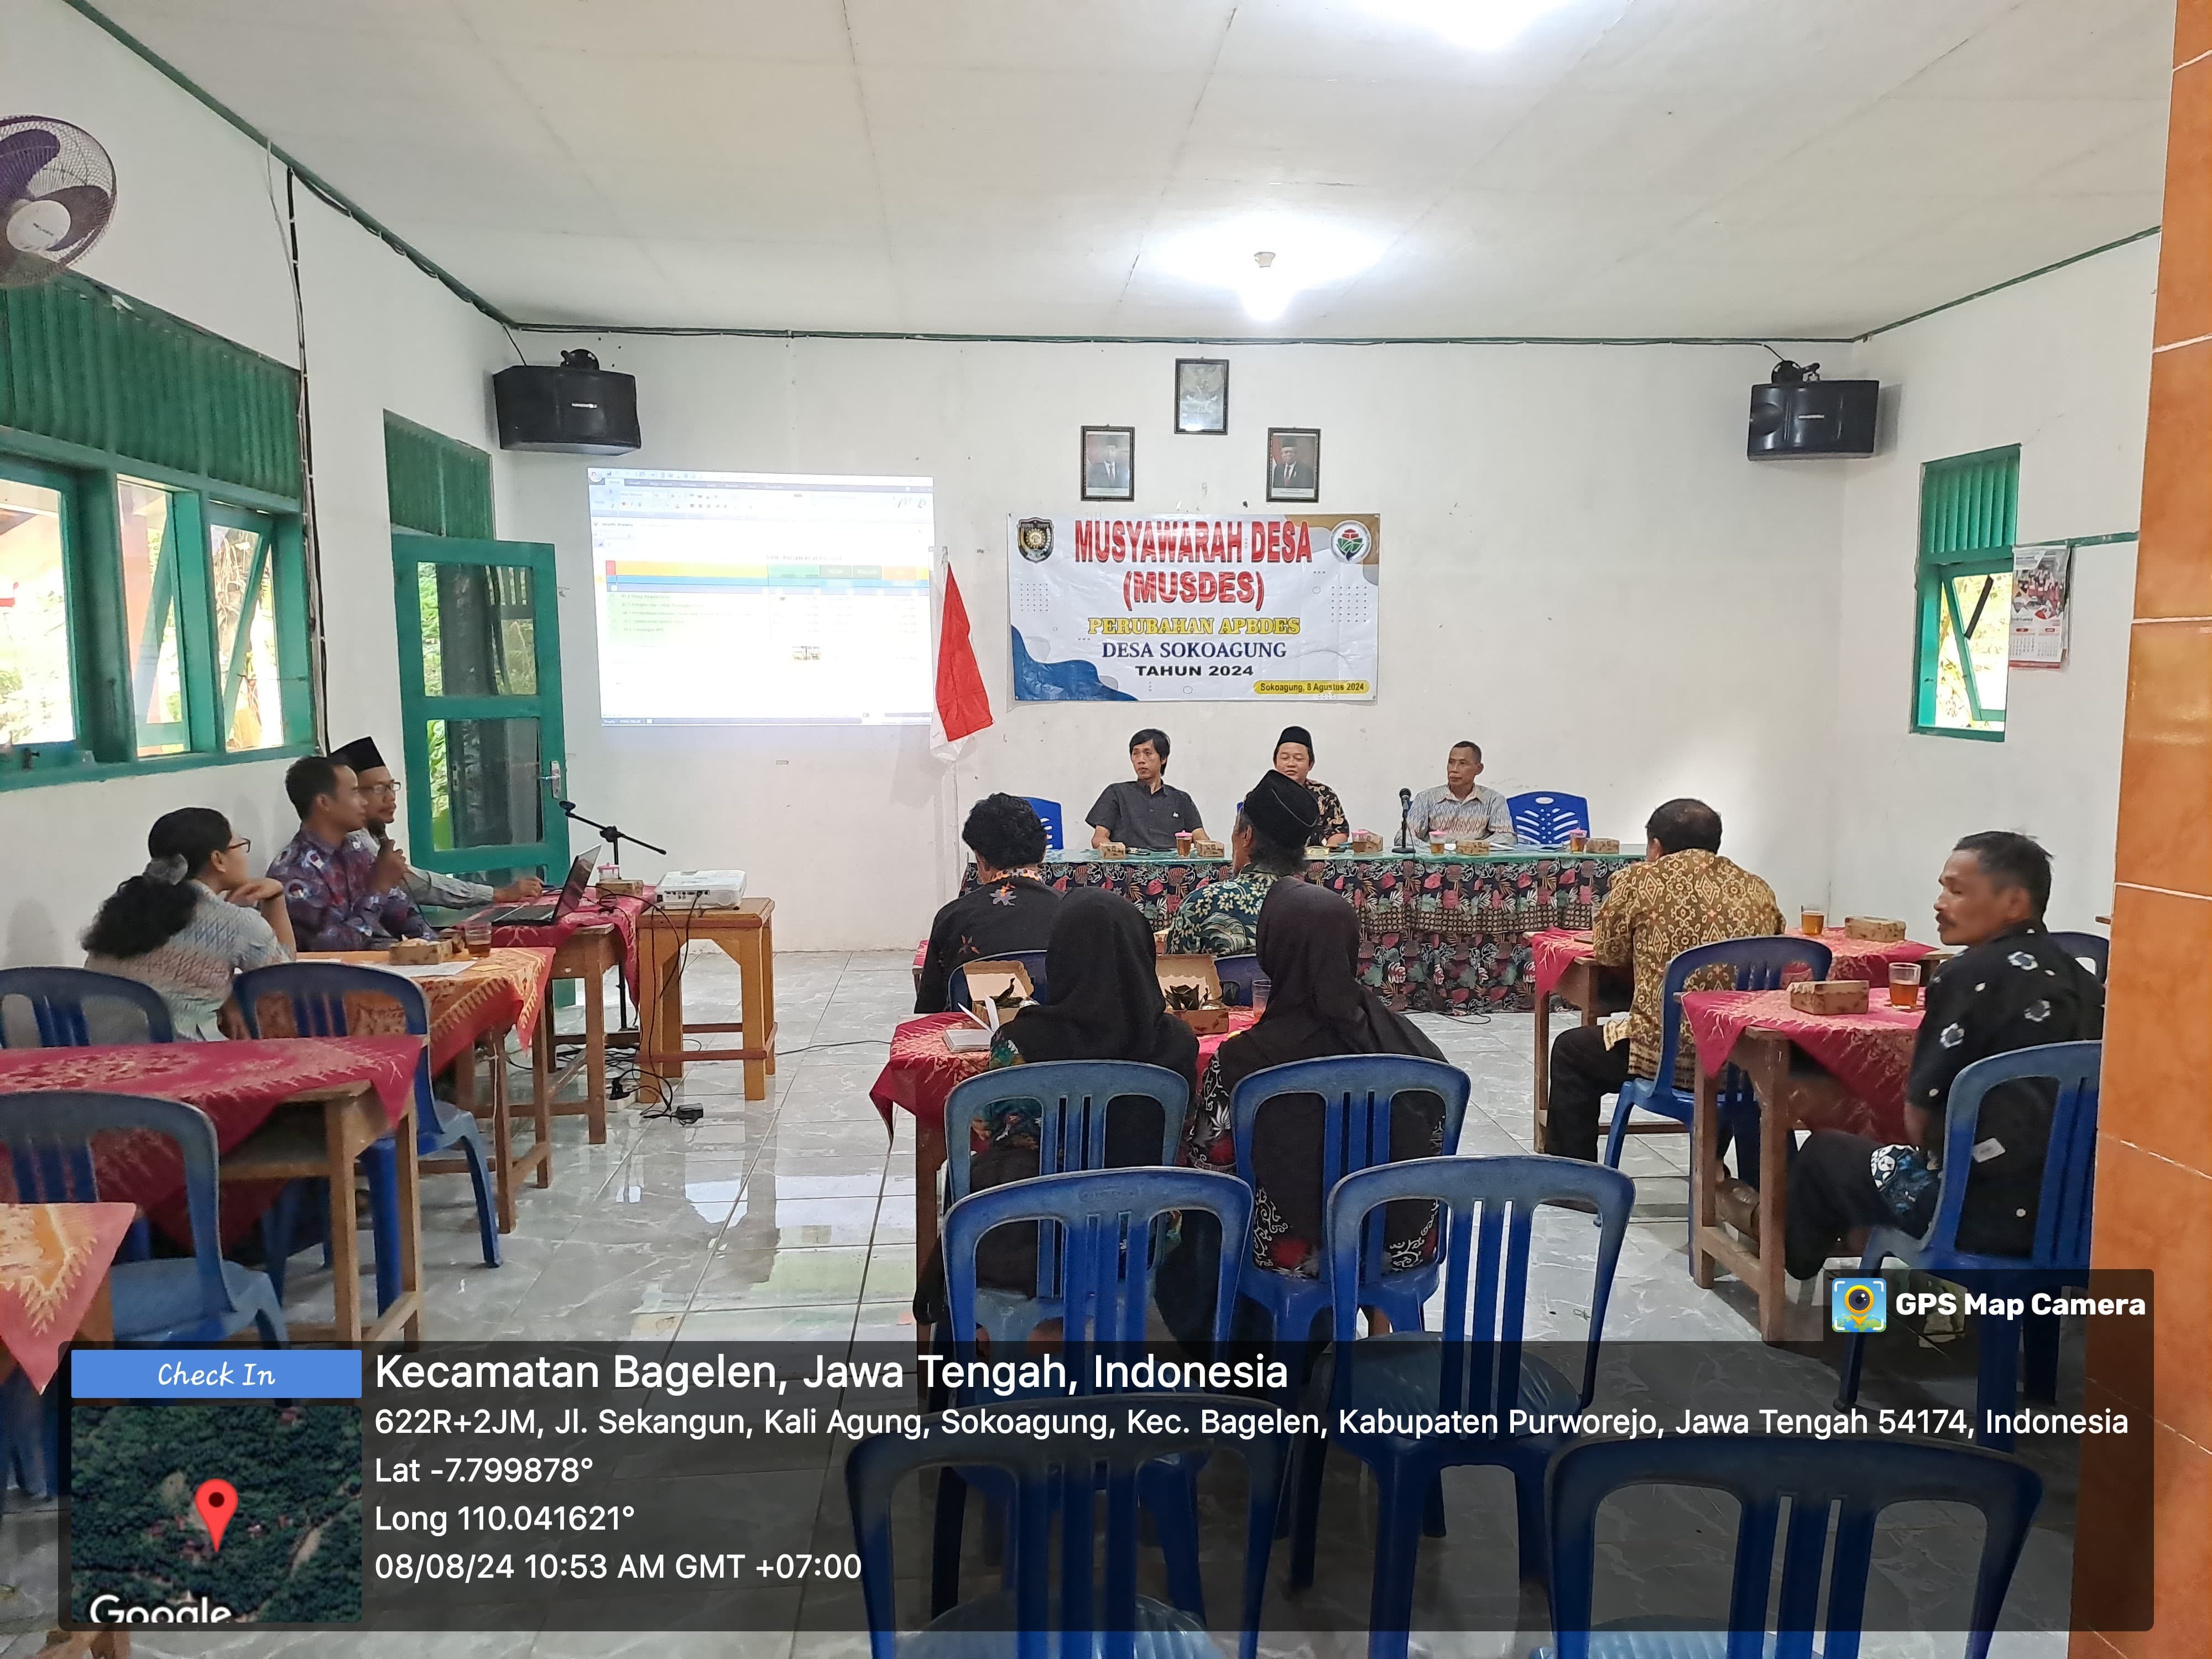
x=316, y=992
x=166, y=1303
x=2063, y=1217
x=1102, y=1232
x=1864, y=1476
x=1356, y=1092
x=1050, y=812
x=1073, y=1097
x=956, y=988
x=2093, y=950
x=1041, y=1477
x=1546, y=818
x=1760, y=964
x=1473, y=1363
x=1238, y=974
x=59, y=997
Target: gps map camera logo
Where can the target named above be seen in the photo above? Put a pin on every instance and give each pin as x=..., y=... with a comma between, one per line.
x=1858, y=1307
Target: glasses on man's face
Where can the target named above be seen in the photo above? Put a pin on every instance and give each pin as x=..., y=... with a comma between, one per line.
x=241, y=845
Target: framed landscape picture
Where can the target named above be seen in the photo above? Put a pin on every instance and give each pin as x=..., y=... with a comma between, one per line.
x=1293, y=463
x=1109, y=463
x=1201, y=395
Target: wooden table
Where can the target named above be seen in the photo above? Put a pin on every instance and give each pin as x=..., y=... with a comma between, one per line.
x=465, y=1029
x=1830, y=1094
x=317, y=1136
x=746, y=935
x=586, y=957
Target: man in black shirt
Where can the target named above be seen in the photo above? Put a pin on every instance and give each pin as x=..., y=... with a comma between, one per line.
x=2012, y=987
x=1145, y=815
x=1008, y=909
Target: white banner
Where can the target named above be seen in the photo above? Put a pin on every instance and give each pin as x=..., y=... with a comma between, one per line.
x=1185, y=609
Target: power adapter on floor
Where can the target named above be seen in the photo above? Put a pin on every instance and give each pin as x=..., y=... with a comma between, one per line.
x=689, y=1114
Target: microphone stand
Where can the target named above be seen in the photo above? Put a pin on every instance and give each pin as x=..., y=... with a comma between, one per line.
x=1405, y=846
x=614, y=835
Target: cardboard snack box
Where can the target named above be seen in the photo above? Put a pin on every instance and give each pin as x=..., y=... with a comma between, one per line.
x=1192, y=990
x=1829, y=996
x=1114, y=849
x=1876, y=930
x=1603, y=844
x=1203, y=848
x=421, y=952
x=1366, y=840
x=1004, y=984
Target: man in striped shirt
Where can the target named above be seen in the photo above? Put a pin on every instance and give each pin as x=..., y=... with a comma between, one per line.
x=1460, y=808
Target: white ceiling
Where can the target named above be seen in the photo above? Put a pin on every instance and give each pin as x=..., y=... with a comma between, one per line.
x=1776, y=167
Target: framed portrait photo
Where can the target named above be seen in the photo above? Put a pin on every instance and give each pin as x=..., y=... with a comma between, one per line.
x=1293, y=463
x=1109, y=463
x=1201, y=395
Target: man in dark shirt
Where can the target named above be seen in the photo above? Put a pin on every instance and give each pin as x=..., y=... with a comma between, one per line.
x=2011, y=988
x=1008, y=909
x=1145, y=815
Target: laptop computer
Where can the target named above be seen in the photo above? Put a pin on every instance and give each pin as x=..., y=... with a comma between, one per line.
x=537, y=912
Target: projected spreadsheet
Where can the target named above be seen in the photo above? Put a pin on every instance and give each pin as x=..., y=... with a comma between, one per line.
x=733, y=596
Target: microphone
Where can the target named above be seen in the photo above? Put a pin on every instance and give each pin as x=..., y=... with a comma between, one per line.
x=1405, y=798
x=1405, y=822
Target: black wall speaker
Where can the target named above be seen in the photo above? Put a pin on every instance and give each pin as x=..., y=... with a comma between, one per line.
x=578, y=409
x=1813, y=418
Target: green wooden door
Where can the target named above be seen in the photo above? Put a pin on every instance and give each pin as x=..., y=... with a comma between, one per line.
x=480, y=701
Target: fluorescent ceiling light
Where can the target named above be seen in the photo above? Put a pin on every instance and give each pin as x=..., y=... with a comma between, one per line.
x=1481, y=25
x=1268, y=262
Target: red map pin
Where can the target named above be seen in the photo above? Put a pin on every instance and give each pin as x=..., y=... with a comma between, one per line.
x=217, y=1501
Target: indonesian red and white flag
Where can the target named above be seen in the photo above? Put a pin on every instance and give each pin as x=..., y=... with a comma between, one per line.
x=963, y=708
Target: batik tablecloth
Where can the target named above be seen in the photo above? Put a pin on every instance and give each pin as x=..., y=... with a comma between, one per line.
x=1443, y=934
x=502, y=992
x=619, y=913
x=1556, y=951
x=1870, y=1054
x=238, y=1085
x=53, y=1258
x=923, y=1073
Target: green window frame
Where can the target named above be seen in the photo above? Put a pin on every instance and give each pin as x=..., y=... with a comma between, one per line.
x=110, y=667
x=1969, y=512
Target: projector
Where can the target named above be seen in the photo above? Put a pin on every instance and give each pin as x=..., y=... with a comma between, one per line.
x=703, y=889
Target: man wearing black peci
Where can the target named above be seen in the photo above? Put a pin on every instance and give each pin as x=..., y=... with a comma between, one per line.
x=1008, y=909
x=1145, y=815
x=2012, y=987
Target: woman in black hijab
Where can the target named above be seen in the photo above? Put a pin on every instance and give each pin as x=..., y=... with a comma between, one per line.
x=1308, y=949
x=1105, y=1005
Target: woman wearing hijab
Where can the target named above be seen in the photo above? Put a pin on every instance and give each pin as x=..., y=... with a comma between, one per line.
x=1105, y=1005
x=1294, y=759
x=1308, y=948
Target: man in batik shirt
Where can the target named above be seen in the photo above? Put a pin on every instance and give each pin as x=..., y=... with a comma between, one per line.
x=2012, y=987
x=1275, y=823
x=343, y=895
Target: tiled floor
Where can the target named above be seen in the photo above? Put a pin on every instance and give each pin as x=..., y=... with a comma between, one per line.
x=792, y=1217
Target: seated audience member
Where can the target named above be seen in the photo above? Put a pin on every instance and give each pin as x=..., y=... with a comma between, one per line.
x=1460, y=808
x=1684, y=894
x=1007, y=909
x=1275, y=824
x=1145, y=815
x=1309, y=947
x=1106, y=1005
x=1294, y=758
x=380, y=805
x=2012, y=987
x=342, y=894
x=195, y=918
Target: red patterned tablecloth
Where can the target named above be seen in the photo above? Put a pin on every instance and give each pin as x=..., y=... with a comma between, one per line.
x=1556, y=951
x=923, y=1073
x=619, y=913
x=238, y=1085
x=54, y=1258
x=502, y=992
x=1870, y=1053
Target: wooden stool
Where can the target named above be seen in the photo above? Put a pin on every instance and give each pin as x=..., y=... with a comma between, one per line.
x=746, y=933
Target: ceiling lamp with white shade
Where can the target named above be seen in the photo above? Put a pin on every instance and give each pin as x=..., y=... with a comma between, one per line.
x=1269, y=263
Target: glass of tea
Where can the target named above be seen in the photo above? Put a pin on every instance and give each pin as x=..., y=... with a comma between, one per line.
x=1813, y=923
x=478, y=937
x=1904, y=985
